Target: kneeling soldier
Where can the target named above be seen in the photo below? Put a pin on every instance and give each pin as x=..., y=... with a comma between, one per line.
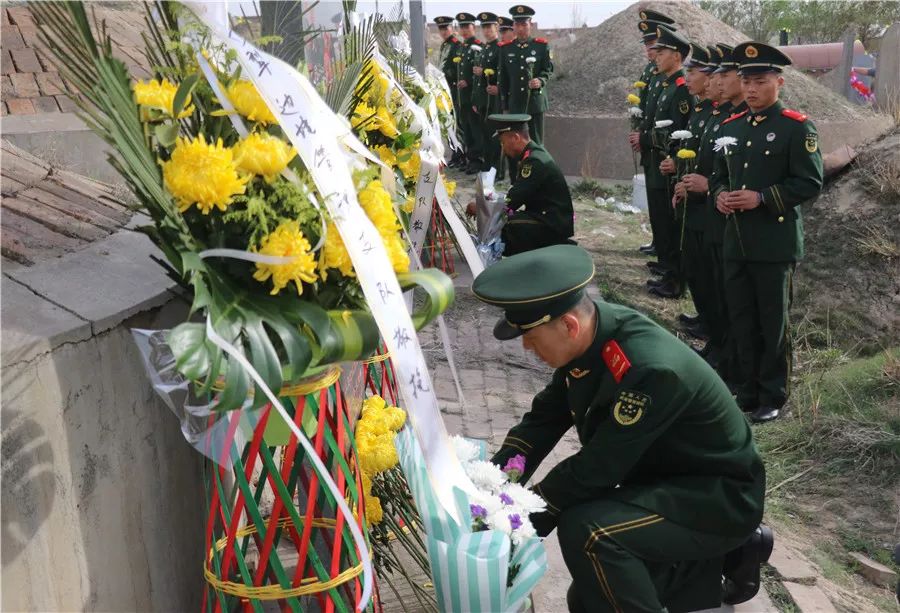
x=667, y=483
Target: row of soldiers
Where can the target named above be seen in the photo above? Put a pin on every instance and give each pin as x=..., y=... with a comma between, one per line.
x=724, y=200
x=505, y=72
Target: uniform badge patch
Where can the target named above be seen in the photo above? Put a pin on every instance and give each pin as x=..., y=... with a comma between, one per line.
x=526, y=171
x=751, y=51
x=630, y=407
x=577, y=373
x=812, y=143
x=684, y=107
x=770, y=136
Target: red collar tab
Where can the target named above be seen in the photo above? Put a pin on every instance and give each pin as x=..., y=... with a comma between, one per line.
x=615, y=360
x=543, y=41
x=680, y=81
x=736, y=116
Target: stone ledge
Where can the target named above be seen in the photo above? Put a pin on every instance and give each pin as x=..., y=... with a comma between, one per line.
x=103, y=284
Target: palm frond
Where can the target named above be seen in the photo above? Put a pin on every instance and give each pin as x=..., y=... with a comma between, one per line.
x=353, y=76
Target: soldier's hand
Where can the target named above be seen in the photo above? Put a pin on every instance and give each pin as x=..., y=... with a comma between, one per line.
x=722, y=204
x=493, y=90
x=462, y=84
x=743, y=200
x=667, y=166
x=535, y=84
x=634, y=138
x=478, y=70
x=680, y=193
x=543, y=523
x=470, y=209
x=696, y=183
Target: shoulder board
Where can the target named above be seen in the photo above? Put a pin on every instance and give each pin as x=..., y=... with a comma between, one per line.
x=476, y=41
x=453, y=39
x=527, y=153
x=680, y=81
x=735, y=116
x=615, y=360
x=503, y=43
x=543, y=41
x=715, y=104
x=795, y=115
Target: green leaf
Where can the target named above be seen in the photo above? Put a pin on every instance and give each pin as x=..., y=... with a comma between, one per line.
x=192, y=353
x=167, y=133
x=184, y=90
x=438, y=289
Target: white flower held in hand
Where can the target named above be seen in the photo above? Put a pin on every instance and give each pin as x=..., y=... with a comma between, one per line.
x=724, y=142
x=475, y=47
x=486, y=475
x=466, y=450
x=635, y=111
x=530, y=60
x=682, y=134
x=523, y=498
x=663, y=123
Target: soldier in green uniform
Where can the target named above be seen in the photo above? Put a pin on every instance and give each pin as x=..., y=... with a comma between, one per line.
x=648, y=24
x=507, y=35
x=526, y=67
x=690, y=207
x=448, y=51
x=774, y=166
x=541, y=188
x=468, y=54
x=667, y=481
x=486, y=97
x=671, y=106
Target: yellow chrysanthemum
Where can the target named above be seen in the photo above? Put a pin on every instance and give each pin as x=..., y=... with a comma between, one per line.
x=489, y=72
x=686, y=154
x=374, y=512
x=633, y=99
x=160, y=95
x=409, y=204
x=457, y=60
x=387, y=155
x=396, y=251
x=450, y=187
x=202, y=174
x=334, y=254
x=639, y=85
x=249, y=103
x=410, y=167
x=376, y=202
x=443, y=103
x=264, y=155
x=287, y=241
x=385, y=123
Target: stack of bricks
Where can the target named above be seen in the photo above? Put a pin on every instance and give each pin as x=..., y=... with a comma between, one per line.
x=30, y=82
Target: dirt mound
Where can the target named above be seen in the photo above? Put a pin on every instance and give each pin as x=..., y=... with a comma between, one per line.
x=848, y=287
x=595, y=71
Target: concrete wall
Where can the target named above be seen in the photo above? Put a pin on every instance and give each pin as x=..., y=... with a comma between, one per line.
x=102, y=498
x=887, y=77
x=598, y=146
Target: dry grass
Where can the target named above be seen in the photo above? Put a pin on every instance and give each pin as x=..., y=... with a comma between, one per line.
x=875, y=241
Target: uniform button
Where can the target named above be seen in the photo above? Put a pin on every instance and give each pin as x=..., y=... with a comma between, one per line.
x=743, y=187
x=748, y=143
x=780, y=219
x=746, y=164
x=521, y=78
x=521, y=89
x=767, y=152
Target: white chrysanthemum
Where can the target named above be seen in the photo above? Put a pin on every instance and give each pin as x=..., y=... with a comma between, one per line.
x=664, y=123
x=525, y=531
x=485, y=475
x=530, y=60
x=475, y=47
x=491, y=502
x=724, y=142
x=682, y=134
x=523, y=498
x=635, y=111
x=499, y=520
x=466, y=450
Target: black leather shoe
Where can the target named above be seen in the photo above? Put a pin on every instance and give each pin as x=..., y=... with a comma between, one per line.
x=668, y=289
x=647, y=248
x=655, y=282
x=689, y=320
x=656, y=268
x=741, y=572
x=764, y=414
x=698, y=331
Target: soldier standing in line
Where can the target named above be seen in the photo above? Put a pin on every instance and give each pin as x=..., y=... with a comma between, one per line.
x=448, y=51
x=669, y=113
x=650, y=20
x=486, y=97
x=467, y=54
x=507, y=35
x=773, y=166
x=526, y=69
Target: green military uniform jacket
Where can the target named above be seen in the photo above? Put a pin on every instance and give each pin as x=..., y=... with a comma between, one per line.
x=468, y=59
x=777, y=154
x=541, y=188
x=700, y=119
x=448, y=52
x=654, y=419
x=714, y=229
x=488, y=59
x=646, y=76
x=670, y=100
x=516, y=72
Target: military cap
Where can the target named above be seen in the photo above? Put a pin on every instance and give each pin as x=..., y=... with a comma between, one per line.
x=715, y=56
x=656, y=16
x=667, y=38
x=699, y=57
x=505, y=23
x=755, y=58
x=464, y=19
x=508, y=121
x=443, y=21
x=726, y=61
x=487, y=18
x=520, y=12
x=534, y=287
x=648, y=29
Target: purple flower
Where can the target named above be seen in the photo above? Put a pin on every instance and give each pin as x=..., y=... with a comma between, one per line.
x=515, y=521
x=477, y=511
x=515, y=467
x=505, y=498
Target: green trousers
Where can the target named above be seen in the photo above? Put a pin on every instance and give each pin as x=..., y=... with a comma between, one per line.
x=474, y=134
x=525, y=232
x=536, y=128
x=759, y=296
x=493, y=158
x=699, y=275
x=718, y=323
x=624, y=558
x=666, y=229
